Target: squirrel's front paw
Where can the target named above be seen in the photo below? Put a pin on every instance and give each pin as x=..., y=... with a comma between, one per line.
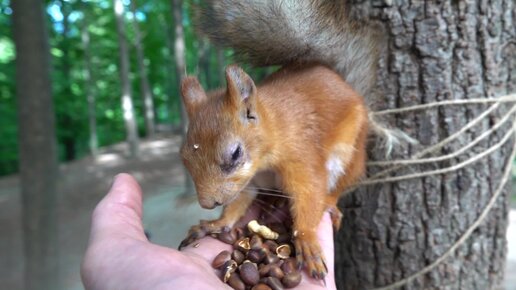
x=309, y=254
x=204, y=228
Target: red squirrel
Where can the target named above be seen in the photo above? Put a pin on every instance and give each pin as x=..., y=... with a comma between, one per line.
x=306, y=124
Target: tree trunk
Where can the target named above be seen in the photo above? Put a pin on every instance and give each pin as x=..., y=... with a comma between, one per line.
x=434, y=51
x=37, y=145
x=179, y=52
x=127, y=101
x=173, y=100
x=67, y=139
x=89, y=83
x=146, y=92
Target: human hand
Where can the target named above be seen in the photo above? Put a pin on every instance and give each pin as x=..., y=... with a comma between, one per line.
x=119, y=256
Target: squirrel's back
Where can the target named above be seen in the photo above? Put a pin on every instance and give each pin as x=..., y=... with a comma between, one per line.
x=279, y=32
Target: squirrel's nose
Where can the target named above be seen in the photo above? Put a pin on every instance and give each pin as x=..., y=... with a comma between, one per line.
x=209, y=203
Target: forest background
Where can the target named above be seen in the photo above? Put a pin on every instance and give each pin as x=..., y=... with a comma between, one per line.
x=86, y=84
x=113, y=78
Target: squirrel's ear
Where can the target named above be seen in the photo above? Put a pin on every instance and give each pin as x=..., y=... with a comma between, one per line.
x=193, y=94
x=241, y=88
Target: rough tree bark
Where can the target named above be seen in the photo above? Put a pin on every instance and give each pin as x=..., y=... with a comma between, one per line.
x=148, y=102
x=37, y=144
x=435, y=50
x=127, y=101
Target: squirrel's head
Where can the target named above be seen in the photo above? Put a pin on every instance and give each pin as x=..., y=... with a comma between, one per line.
x=222, y=139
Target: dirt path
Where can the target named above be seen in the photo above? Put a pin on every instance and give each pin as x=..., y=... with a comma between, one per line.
x=82, y=184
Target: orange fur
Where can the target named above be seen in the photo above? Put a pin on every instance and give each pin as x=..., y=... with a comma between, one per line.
x=304, y=122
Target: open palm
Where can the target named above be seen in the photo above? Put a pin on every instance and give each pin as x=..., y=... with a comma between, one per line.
x=119, y=256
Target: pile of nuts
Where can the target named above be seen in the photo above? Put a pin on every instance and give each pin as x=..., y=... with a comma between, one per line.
x=262, y=258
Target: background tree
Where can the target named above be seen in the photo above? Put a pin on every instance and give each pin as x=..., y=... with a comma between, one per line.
x=37, y=147
x=180, y=58
x=179, y=52
x=89, y=82
x=85, y=106
x=124, y=69
x=146, y=93
x=435, y=50
x=66, y=114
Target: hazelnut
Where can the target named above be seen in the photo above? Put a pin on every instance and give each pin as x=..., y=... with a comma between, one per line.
x=221, y=259
x=238, y=256
x=255, y=256
x=261, y=286
x=276, y=271
x=243, y=245
x=291, y=280
x=283, y=251
x=256, y=242
x=289, y=265
x=270, y=258
x=271, y=245
x=236, y=282
x=274, y=283
x=229, y=268
x=249, y=273
x=264, y=269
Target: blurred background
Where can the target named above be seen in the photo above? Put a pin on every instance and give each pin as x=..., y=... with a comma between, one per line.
x=113, y=69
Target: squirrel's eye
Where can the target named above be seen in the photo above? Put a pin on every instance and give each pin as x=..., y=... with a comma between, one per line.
x=236, y=154
x=232, y=158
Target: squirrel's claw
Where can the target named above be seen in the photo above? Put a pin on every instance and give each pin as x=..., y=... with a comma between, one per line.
x=196, y=232
x=309, y=255
x=203, y=229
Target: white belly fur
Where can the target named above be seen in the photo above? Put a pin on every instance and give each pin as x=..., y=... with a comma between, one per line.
x=337, y=162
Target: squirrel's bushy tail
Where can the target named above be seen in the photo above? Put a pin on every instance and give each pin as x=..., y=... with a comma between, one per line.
x=278, y=32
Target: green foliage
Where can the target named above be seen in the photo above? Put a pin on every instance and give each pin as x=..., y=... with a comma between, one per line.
x=8, y=129
x=67, y=19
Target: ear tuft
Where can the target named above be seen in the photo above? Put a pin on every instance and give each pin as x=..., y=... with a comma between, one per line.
x=240, y=85
x=193, y=95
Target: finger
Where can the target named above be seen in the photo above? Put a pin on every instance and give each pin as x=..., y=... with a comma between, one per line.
x=119, y=213
x=325, y=236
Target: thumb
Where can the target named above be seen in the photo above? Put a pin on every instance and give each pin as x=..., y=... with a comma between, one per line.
x=119, y=213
